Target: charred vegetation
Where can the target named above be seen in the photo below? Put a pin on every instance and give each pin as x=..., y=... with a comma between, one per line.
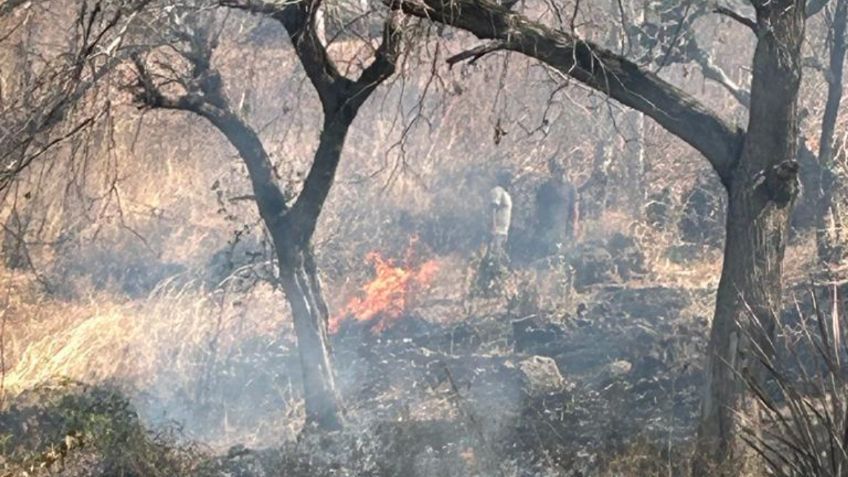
x=435, y=237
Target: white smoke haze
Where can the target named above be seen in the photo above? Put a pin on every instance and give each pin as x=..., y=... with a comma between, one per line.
x=135, y=260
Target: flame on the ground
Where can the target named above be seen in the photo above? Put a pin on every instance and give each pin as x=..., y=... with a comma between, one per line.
x=384, y=299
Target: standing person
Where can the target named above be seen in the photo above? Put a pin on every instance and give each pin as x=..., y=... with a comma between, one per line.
x=501, y=215
x=557, y=213
x=492, y=268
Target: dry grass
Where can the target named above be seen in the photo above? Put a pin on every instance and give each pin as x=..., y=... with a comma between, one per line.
x=422, y=146
x=160, y=349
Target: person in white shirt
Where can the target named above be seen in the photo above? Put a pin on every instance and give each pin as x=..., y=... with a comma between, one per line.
x=501, y=214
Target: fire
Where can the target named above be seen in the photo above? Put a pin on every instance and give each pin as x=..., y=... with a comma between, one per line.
x=385, y=298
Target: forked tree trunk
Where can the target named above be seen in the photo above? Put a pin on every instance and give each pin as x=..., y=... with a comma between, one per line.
x=291, y=227
x=291, y=231
x=761, y=193
x=301, y=282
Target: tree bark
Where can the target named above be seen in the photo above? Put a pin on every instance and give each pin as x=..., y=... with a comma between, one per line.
x=761, y=195
x=309, y=313
x=301, y=282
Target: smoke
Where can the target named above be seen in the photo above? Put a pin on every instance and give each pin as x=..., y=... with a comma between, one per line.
x=208, y=362
x=432, y=378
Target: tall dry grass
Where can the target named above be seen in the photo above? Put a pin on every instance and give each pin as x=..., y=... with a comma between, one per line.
x=802, y=430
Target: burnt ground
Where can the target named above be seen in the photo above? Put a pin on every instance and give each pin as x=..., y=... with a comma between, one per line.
x=544, y=394
x=608, y=385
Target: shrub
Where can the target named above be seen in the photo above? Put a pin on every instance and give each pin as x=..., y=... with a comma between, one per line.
x=77, y=429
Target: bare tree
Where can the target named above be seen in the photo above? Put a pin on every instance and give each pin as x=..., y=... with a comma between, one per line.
x=57, y=86
x=757, y=167
x=291, y=225
x=837, y=48
x=679, y=44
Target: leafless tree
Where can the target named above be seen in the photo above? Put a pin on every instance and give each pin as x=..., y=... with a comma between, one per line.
x=836, y=47
x=757, y=166
x=291, y=224
x=53, y=86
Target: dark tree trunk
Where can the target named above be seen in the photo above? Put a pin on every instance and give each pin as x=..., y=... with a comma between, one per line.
x=291, y=228
x=292, y=231
x=301, y=282
x=825, y=241
x=309, y=312
x=761, y=193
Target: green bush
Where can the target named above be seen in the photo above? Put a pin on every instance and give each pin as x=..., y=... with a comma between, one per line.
x=75, y=429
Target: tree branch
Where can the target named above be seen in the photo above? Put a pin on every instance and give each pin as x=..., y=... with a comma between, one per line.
x=713, y=72
x=815, y=6
x=476, y=53
x=738, y=17
x=269, y=197
x=340, y=96
x=316, y=187
x=296, y=18
x=55, y=93
x=598, y=68
x=384, y=63
x=8, y=6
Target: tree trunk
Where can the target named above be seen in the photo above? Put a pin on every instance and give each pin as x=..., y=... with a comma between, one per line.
x=634, y=146
x=761, y=193
x=301, y=282
x=292, y=231
x=749, y=289
x=309, y=312
x=825, y=241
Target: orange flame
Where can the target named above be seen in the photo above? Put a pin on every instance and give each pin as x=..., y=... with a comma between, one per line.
x=385, y=298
